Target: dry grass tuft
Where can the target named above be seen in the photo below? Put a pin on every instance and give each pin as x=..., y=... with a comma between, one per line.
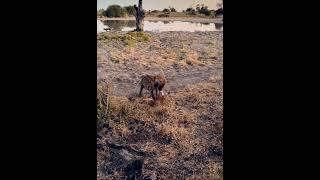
x=179, y=130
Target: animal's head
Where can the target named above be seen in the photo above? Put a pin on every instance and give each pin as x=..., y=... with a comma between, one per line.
x=157, y=83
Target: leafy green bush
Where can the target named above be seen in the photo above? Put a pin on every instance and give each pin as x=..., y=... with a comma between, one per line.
x=130, y=10
x=166, y=10
x=189, y=10
x=100, y=12
x=204, y=10
x=115, y=11
x=173, y=9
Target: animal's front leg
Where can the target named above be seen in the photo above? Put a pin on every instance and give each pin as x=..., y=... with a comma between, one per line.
x=157, y=93
x=141, y=90
x=152, y=95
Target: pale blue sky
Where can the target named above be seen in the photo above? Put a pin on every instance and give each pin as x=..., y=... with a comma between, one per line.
x=159, y=4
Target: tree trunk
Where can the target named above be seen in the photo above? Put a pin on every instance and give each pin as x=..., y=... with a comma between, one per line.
x=139, y=16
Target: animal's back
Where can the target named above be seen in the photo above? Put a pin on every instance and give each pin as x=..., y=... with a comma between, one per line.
x=147, y=81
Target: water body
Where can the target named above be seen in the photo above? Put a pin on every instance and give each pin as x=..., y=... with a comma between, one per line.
x=158, y=26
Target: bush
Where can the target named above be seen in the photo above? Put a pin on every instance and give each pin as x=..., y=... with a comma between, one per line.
x=130, y=10
x=200, y=9
x=100, y=12
x=190, y=9
x=204, y=10
x=173, y=10
x=219, y=12
x=115, y=11
x=166, y=10
x=212, y=13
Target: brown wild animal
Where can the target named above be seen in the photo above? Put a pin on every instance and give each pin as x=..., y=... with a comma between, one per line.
x=152, y=83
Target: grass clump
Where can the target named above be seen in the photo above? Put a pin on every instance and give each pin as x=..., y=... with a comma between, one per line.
x=129, y=39
x=139, y=36
x=104, y=36
x=121, y=109
x=103, y=103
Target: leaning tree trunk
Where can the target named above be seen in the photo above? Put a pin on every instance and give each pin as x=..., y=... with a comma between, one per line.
x=139, y=16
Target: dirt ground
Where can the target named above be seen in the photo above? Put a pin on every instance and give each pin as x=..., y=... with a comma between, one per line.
x=181, y=136
x=183, y=57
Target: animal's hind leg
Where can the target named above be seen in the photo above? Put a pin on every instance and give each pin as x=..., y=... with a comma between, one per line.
x=157, y=93
x=156, y=88
x=152, y=95
x=141, y=90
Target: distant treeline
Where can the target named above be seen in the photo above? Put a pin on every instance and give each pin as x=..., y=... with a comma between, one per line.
x=203, y=10
x=118, y=11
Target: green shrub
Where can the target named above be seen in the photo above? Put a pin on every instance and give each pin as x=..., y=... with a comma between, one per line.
x=166, y=10
x=100, y=12
x=130, y=10
x=115, y=11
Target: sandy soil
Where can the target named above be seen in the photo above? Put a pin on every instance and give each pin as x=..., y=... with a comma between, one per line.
x=183, y=136
x=184, y=58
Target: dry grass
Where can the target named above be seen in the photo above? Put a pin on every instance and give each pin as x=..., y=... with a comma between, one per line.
x=182, y=133
x=213, y=171
x=103, y=95
x=129, y=40
x=180, y=130
x=130, y=45
x=192, y=58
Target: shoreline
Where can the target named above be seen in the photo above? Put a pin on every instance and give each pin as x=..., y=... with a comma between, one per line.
x=185, y=19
